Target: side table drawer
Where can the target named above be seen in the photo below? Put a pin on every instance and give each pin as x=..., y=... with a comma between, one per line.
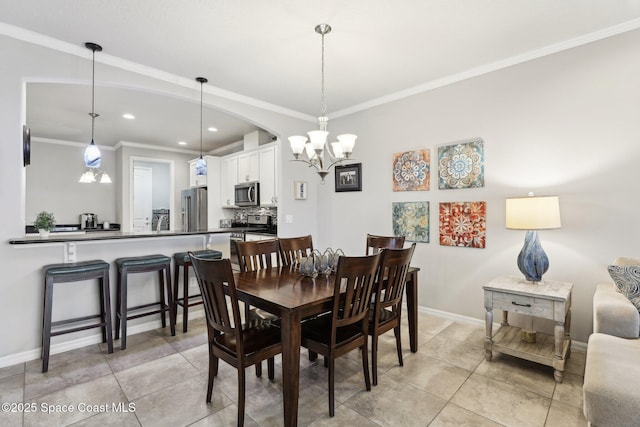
x=523, y=304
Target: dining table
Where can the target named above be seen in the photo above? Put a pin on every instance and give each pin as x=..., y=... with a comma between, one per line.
x=286, y=293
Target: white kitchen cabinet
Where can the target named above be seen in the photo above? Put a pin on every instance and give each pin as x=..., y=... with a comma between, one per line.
x=195, y=180
x=268, y=161
x=228, y=180
x=248, y=167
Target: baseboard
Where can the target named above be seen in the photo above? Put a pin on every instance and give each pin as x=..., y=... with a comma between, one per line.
x=96, y=338
x=575, y=345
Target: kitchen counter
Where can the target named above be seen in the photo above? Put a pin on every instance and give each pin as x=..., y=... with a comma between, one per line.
x=64, y=237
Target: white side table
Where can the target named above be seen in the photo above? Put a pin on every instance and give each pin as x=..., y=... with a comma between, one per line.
x=547, y=299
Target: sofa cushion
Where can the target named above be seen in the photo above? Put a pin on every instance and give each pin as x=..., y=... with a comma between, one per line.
x=612, y=373
x=627, y=280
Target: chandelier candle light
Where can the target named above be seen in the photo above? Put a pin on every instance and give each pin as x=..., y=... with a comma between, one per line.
x=92, y=156
x=314, y=147
x=201, y=164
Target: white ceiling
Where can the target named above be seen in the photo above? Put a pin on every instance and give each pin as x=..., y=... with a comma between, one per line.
x=267, y=50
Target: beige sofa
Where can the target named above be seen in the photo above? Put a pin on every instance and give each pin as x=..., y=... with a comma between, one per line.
x=612, y=372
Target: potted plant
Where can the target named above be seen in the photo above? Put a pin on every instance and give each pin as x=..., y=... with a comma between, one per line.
x=44, y=223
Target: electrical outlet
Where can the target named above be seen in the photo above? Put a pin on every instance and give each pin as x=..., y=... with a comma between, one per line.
x=288, y=219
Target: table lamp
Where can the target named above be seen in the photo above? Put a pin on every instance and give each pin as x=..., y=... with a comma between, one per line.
x=533, y=213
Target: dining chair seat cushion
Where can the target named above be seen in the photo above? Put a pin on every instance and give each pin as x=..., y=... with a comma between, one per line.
x=257, y=337
x=140, y=261
x=319, y=330
x=182, y=257
x=74, y=267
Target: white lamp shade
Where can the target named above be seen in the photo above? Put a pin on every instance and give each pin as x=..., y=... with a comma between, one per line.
x=297, y=143
x=318, y=138
x=92, y=157
x=533, y=213
x=105, y=178
x=348, y=141
x=337, y=150
x=201, y=167
x=311, y=154
x=87, y=177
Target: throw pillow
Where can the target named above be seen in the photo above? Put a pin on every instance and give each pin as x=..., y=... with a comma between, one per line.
x=627, y=280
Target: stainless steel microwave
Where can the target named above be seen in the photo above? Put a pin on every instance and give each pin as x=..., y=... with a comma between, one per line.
x=247, y=194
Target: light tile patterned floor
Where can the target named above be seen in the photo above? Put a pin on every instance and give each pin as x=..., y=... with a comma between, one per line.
x=446, y=383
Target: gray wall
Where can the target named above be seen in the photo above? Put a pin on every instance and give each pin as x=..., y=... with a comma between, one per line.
x=565, y=124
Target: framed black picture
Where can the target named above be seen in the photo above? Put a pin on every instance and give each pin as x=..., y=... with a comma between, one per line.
x=349, y=177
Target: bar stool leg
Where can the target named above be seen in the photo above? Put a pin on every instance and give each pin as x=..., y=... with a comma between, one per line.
x=163, y=305
x=172, y=313
x=106, y=311
x=46, y=323
x=123, y=307
x=185, y=296
x=176, y=272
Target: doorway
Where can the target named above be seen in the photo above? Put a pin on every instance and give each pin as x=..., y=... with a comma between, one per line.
x=151, y=189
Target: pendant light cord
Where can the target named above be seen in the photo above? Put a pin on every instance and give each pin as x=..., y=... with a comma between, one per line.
x=93, y=90
x=323, y=110
x=201, y=88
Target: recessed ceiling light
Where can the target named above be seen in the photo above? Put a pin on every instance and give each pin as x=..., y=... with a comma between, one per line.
x=212, y=129
x=128, y=116
x=182, y=143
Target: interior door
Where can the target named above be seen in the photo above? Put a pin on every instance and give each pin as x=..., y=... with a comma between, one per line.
x=142, y=198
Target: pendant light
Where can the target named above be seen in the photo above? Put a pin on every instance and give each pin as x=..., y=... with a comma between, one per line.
x=314, y=147
x=201, y=164
x=92, y=156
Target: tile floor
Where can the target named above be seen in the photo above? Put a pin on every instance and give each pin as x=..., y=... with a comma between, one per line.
x=161, y=381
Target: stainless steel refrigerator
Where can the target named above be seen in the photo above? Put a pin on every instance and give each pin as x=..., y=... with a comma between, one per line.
x=194, y=209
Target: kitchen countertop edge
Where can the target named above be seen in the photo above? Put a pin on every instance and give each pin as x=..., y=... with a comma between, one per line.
x=114, y=235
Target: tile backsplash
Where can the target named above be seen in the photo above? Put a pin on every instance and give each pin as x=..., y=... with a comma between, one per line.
x=241, y=214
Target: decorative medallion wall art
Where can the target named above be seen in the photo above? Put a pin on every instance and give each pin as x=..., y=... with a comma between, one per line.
x=463, y=224
x=461, y=165
x=411, y=171
x=411, y=220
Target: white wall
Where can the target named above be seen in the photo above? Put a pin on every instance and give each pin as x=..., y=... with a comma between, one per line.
x=566, y=124
x=52, y=184
x=21, y=289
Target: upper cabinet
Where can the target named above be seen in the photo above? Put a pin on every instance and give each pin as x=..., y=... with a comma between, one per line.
x=248, y=167
x=268, y=160
x=228, y=179
x=256, y=165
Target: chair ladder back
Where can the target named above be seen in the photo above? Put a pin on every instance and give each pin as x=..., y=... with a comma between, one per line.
x=292, y=249
x=212, y=275
x=357, y=275
x=392, y=277
x=376, y=243
x=257, y=255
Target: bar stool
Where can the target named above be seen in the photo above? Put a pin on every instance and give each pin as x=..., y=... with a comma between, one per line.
x=182, y=259
x=74, y=272
x=143, y=264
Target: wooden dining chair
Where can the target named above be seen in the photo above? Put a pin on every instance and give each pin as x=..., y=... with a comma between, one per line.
x=377, y=243
x=240, y=345
x=346, y=327
x=386, y=310
x=292, y=249
x=253, y=256
x=258, y=254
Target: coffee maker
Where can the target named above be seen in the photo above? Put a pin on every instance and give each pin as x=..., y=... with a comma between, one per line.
x=88, y=221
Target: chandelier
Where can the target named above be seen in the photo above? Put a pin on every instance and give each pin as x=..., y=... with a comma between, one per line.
x=312, y=150
x=92, y=156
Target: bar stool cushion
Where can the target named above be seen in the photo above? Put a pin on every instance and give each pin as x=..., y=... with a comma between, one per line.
x=74, y=267
x=140, y=261
x=183, y=257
